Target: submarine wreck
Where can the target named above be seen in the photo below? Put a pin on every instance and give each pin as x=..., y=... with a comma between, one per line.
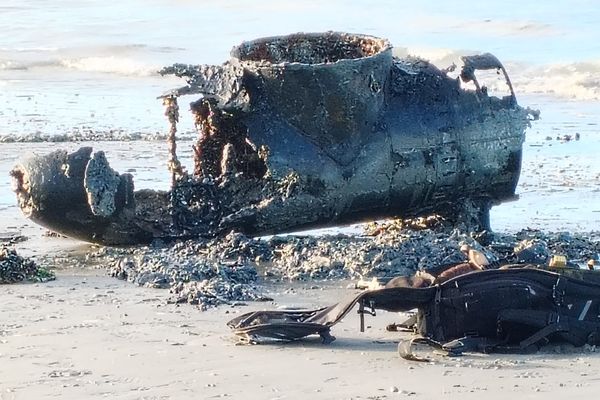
x=294, y=132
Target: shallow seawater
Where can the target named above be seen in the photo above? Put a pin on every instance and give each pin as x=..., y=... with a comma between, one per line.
x=90, y=66
x=559, y=188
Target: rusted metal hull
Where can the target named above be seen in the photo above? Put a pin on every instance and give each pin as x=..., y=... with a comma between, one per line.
x=300, y=131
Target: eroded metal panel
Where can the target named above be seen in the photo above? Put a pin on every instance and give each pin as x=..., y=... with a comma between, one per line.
x=301, y=131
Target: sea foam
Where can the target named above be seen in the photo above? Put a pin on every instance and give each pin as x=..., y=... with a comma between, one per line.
x=568, y=80
x=123, y=66
x=110, y=64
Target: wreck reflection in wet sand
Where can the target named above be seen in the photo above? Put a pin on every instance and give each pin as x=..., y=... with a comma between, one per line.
x=299, y=131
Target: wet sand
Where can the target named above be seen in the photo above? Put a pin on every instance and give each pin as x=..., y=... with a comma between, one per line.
x=86, y=335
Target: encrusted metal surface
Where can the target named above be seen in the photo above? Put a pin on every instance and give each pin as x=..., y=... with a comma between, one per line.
x=309, y=130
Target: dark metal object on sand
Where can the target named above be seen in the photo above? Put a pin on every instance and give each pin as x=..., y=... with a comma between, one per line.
x=510, y=310
x=300, y=131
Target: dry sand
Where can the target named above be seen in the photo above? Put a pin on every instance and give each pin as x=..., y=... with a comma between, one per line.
x=87, y=335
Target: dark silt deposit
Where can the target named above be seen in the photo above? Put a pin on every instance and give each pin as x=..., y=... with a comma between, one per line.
x=299, y=131
x=235, y=267
x=15, y=268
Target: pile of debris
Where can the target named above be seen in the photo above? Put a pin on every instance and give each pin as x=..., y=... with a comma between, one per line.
x=209, y=272
x=189, y=271
x=15, y=268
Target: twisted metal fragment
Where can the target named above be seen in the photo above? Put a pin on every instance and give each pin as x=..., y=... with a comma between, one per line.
x=173, y=164
x=172, y=114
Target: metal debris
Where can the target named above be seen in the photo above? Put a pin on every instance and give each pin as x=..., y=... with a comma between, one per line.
x=299, y=131
x=503, y=310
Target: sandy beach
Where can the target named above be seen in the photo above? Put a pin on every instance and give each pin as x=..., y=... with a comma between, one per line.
x=76, y=74
x=87, y=335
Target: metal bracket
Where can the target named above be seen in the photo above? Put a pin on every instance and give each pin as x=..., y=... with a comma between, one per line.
x=361, y=311
x=559, y=291
x=483, y=62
